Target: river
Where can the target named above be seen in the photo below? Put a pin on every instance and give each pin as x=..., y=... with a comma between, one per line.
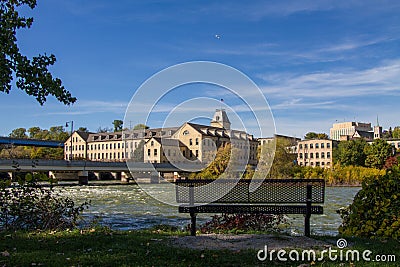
x=127, y=207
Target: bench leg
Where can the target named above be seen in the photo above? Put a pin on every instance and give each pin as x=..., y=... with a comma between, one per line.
x=307, y=226
x=193, y=223
x=308, y=211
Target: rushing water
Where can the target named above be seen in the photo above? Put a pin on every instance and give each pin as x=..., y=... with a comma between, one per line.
x=128, y=207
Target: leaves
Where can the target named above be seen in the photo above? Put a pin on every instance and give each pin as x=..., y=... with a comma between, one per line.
x=30, y=207
x=375, y=209
x=32, y=76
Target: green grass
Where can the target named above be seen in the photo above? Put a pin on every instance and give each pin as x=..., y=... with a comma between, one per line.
x=102, y=247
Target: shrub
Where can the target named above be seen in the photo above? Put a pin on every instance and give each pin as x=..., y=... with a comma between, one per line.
x=29, y=206
x=243, y=222
x=375, y=211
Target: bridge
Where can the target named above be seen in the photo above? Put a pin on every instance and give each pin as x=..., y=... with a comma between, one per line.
x=80, y=168
x=30, y=142
x=32, y=165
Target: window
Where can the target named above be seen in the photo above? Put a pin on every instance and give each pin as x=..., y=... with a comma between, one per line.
x=148, y=152
x=190, y=142
x=301, y=146
x=102, y=146
x=311, y=155
x=305, y=146
x=106, y=146
x=316, y=145
x=197, y=141
x=119, y=146
x=328, y=155
x=328, y=145
x=322, y=155
x=152, y=143
x=322, y=145
x=155, y=152
x=311, y=145
x=306, y=155
x=301, y=155
x=186, y=132
x=197, y=153
x=190, y=153
x=317, y=155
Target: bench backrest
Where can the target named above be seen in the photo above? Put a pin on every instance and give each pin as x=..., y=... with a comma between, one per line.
x=270, y=191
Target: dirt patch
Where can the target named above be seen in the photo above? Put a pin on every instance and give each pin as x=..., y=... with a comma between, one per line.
x=247, y=241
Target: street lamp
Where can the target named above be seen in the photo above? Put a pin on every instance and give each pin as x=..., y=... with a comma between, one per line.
x=72, y=130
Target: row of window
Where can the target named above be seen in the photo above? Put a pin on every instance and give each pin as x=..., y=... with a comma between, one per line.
x=115, y=155
x=155, y=153
x=97, y=146
x=317, y=145
x=317, y=155
x=316, y=164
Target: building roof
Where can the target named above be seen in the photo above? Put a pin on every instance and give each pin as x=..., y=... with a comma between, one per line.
x=83, y=135
x=221, y=132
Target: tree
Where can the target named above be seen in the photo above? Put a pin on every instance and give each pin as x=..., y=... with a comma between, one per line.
x=103, y=130
x=32, y=76
x=377, y=153
x=83, y=129
x=18, y=133
x=396, y=132
x=118, y=125
x=351, y=153
x=33, y=131
x=313, y=135
x=218, y=166
x=140, y=126
x=281, y=162
x=138, y=154
x=375, y=209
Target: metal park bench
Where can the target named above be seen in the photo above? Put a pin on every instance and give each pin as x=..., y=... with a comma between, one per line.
x=273, y=196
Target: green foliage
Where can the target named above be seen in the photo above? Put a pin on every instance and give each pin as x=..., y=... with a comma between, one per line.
x=243, y=222
x=350, y=175
x=338, y=174
x=18, y=133
x=118, y=124
x=138, y=154
x=377, y=153
x=396, y=132
x=83, y=129
x=28, y=206
x=217, y=167
x=56, y=133
x=281, y=162
x=375, y=211
x=351, y=153
x=32, y=76
x=140, y=126
x=313, y=135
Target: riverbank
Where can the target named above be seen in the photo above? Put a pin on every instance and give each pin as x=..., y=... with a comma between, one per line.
x=158, y=247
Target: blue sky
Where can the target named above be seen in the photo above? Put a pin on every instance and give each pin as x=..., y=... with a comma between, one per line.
x=316, y=62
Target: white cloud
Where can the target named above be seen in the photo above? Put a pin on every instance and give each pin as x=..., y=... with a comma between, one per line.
x=381, y=80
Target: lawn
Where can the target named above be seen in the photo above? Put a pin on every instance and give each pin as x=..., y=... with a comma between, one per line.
x=103, y=247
